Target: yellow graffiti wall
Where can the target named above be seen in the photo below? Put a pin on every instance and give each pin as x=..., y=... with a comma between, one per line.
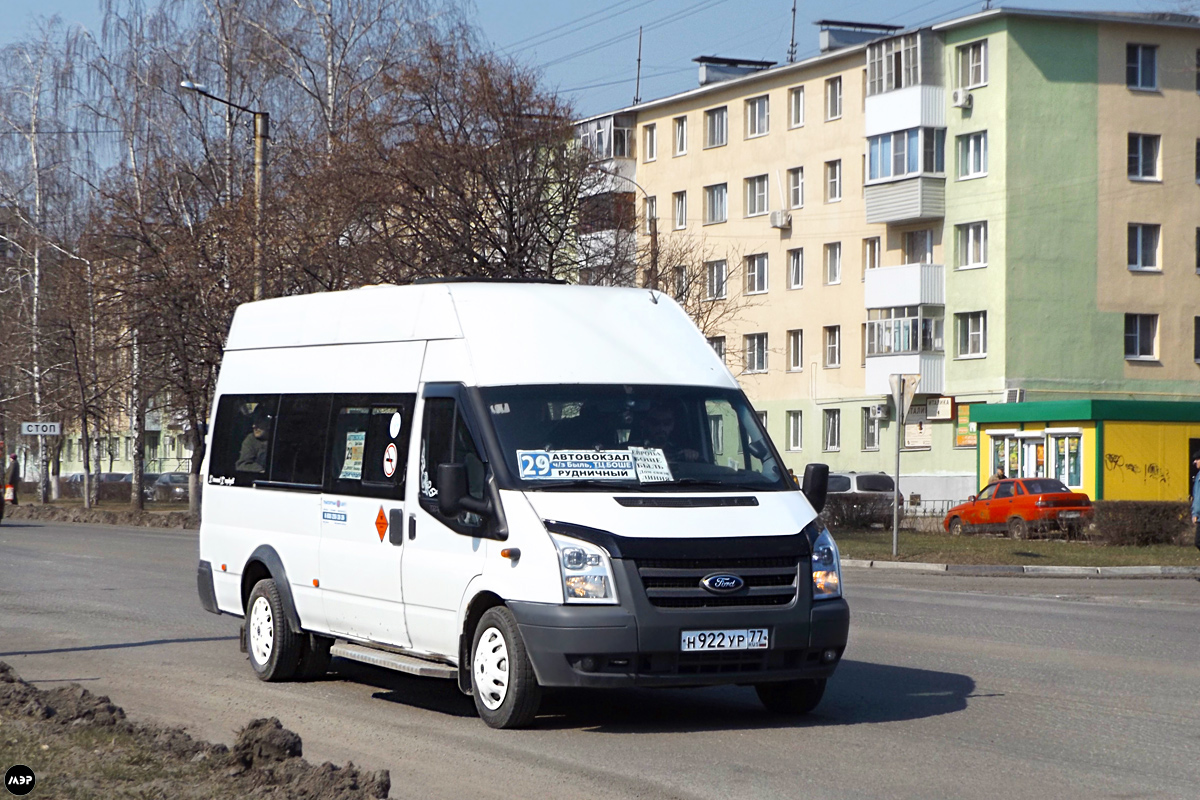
x=1147, y=460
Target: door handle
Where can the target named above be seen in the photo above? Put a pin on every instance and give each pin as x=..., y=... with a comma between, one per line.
x=412, y=528
x=396, y=526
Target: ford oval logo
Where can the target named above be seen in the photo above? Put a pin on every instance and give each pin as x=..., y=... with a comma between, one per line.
x=722, y=583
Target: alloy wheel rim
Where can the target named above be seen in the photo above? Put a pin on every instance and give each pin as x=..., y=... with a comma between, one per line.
x=491, y=668
x=262, y=630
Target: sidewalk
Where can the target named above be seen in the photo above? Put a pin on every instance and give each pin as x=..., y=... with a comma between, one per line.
x=1029, y=569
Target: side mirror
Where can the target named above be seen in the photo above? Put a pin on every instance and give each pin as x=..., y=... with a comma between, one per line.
x=816, y=485
x=971, y=499
x=453, y=496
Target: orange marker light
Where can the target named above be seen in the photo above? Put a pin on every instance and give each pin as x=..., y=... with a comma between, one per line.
x=316, y=582
x=512, y=553
x=222, y=568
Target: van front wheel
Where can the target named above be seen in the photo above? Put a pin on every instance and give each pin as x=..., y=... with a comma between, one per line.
x=273, y=647
x=793, y=698
x=505, y=689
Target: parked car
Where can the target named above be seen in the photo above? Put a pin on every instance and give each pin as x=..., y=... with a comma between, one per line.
x=1021, y=505
x=148, y=489
x=171, y=486
x=859, y=499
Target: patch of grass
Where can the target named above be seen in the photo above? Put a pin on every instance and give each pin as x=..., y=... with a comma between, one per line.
x=978, y=549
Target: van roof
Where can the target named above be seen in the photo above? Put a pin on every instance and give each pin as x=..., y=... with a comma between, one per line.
x=514, y=333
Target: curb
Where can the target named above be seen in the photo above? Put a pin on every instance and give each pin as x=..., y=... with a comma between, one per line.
x=1028, y=569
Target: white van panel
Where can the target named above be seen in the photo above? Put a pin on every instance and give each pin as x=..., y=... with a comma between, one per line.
x=777, y=514
x=341, y=369
x=448, y=361
x=535, y=576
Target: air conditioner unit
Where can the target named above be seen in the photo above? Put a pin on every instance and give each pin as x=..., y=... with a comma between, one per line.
x=781, y=219
x=960, y=98
x=1014, y=395
x=879, y=411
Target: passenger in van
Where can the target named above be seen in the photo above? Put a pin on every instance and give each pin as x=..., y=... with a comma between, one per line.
x=658, y=431
x=253, y=455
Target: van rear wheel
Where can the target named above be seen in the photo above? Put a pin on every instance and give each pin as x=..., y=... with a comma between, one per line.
x=273, y=647
x=506, y=691
x=793, y=698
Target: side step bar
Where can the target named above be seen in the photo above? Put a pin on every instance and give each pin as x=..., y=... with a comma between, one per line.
x=397, y=661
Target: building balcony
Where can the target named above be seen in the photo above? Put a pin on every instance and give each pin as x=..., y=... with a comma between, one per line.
x=905, y=285
x=930, y=366
x=906, y=200
x=920, y=106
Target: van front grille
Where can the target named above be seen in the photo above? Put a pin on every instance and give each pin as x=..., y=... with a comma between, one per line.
x=675, y=583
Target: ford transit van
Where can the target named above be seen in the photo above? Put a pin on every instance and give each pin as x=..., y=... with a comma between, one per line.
x=513, y=486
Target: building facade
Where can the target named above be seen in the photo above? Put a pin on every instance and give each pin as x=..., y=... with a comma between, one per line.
x=1006, y=204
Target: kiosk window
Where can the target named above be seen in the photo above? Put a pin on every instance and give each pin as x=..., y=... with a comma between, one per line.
x=241, y=441
x=369, y=448
x=299, y=454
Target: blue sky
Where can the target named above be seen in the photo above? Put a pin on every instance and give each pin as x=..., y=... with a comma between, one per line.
x=588, y=50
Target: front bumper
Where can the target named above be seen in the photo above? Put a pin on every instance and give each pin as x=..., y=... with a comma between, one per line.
x=638, y=644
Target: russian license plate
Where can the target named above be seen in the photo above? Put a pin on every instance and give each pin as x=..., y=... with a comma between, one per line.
x=1068, y=515
x=739, y=639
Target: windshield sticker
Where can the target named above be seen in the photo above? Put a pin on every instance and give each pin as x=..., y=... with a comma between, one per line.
x=651, y=464
x=575, y=465
x=394, y=425
x=352, y=462
x=390, y=458
x=500, y=408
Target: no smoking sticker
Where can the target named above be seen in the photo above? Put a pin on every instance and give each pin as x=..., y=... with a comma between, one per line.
x=390, y=457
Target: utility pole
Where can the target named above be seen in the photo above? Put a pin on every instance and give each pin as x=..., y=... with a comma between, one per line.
x=652, y=278
x=637, y=86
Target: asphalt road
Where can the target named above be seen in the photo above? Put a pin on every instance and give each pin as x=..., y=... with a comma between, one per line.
x=951, y=687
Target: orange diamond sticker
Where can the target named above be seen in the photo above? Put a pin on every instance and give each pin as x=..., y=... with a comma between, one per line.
x=381, y=523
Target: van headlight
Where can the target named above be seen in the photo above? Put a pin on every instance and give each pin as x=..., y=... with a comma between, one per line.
x=586, y=571
x=826, y=568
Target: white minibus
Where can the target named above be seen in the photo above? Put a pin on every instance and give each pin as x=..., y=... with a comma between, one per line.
x=513, y=485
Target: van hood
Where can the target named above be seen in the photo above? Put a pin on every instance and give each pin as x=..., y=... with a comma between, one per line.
x=776, y=513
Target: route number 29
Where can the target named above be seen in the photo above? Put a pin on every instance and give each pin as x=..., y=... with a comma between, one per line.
x=534, y=465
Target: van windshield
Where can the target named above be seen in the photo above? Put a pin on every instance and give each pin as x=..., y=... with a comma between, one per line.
x=603, y=437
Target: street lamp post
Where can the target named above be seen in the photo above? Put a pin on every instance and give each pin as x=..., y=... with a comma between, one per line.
x=262, y=133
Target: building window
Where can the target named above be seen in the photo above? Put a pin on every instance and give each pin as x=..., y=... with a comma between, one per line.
x=756, y=273
x=918, y=247
x=796, y=265
x=972, y=155
x=972, y=334
x=716, y=201
x=972, y=65
x=833, y=429
x=893, y=64
x=795, y=353
x=833, y=262
x=1143, y=246
x=756, y=352
x=934, y=145
x=795, y=430
x=1198, y=161
x=833, y=346
x=1198, y=251
x=1143, y=156
x=833, y=181
x=716, y=429
x=908, y=152
x=680, y=136
x=717, y=343
x=716, y=127
x=872, y=253
x=651, y=214
x=680, y=203
x=796, y=103
x=1065, y=458
x=1141, y=331
x=1141, y=66
x=833, y=99
x=715, y=283
x=870, y=430
x=972, y=245
x=651, y=148
x=1196, y=339
x=795, y=178
x=903, y=329
x=758, y=116
x=756, y=196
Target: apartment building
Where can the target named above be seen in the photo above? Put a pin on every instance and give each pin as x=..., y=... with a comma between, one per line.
x=1005, y=204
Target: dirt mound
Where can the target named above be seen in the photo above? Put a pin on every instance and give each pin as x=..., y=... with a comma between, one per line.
x=101, y=516
x=81, y=744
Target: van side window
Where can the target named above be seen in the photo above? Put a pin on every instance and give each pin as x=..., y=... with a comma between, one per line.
x=370, y=440
x=445, y=439
x=299, y=453
x=241, y=439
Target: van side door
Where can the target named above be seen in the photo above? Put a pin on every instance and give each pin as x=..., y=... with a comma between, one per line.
x=442, y=554
x=362, y=516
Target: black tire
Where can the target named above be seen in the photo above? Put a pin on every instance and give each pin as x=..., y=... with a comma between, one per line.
x=793, y=698
x=314, y=657
x=273, y=647
x=1018, y=528
x=956, y=527
x=505, y=689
